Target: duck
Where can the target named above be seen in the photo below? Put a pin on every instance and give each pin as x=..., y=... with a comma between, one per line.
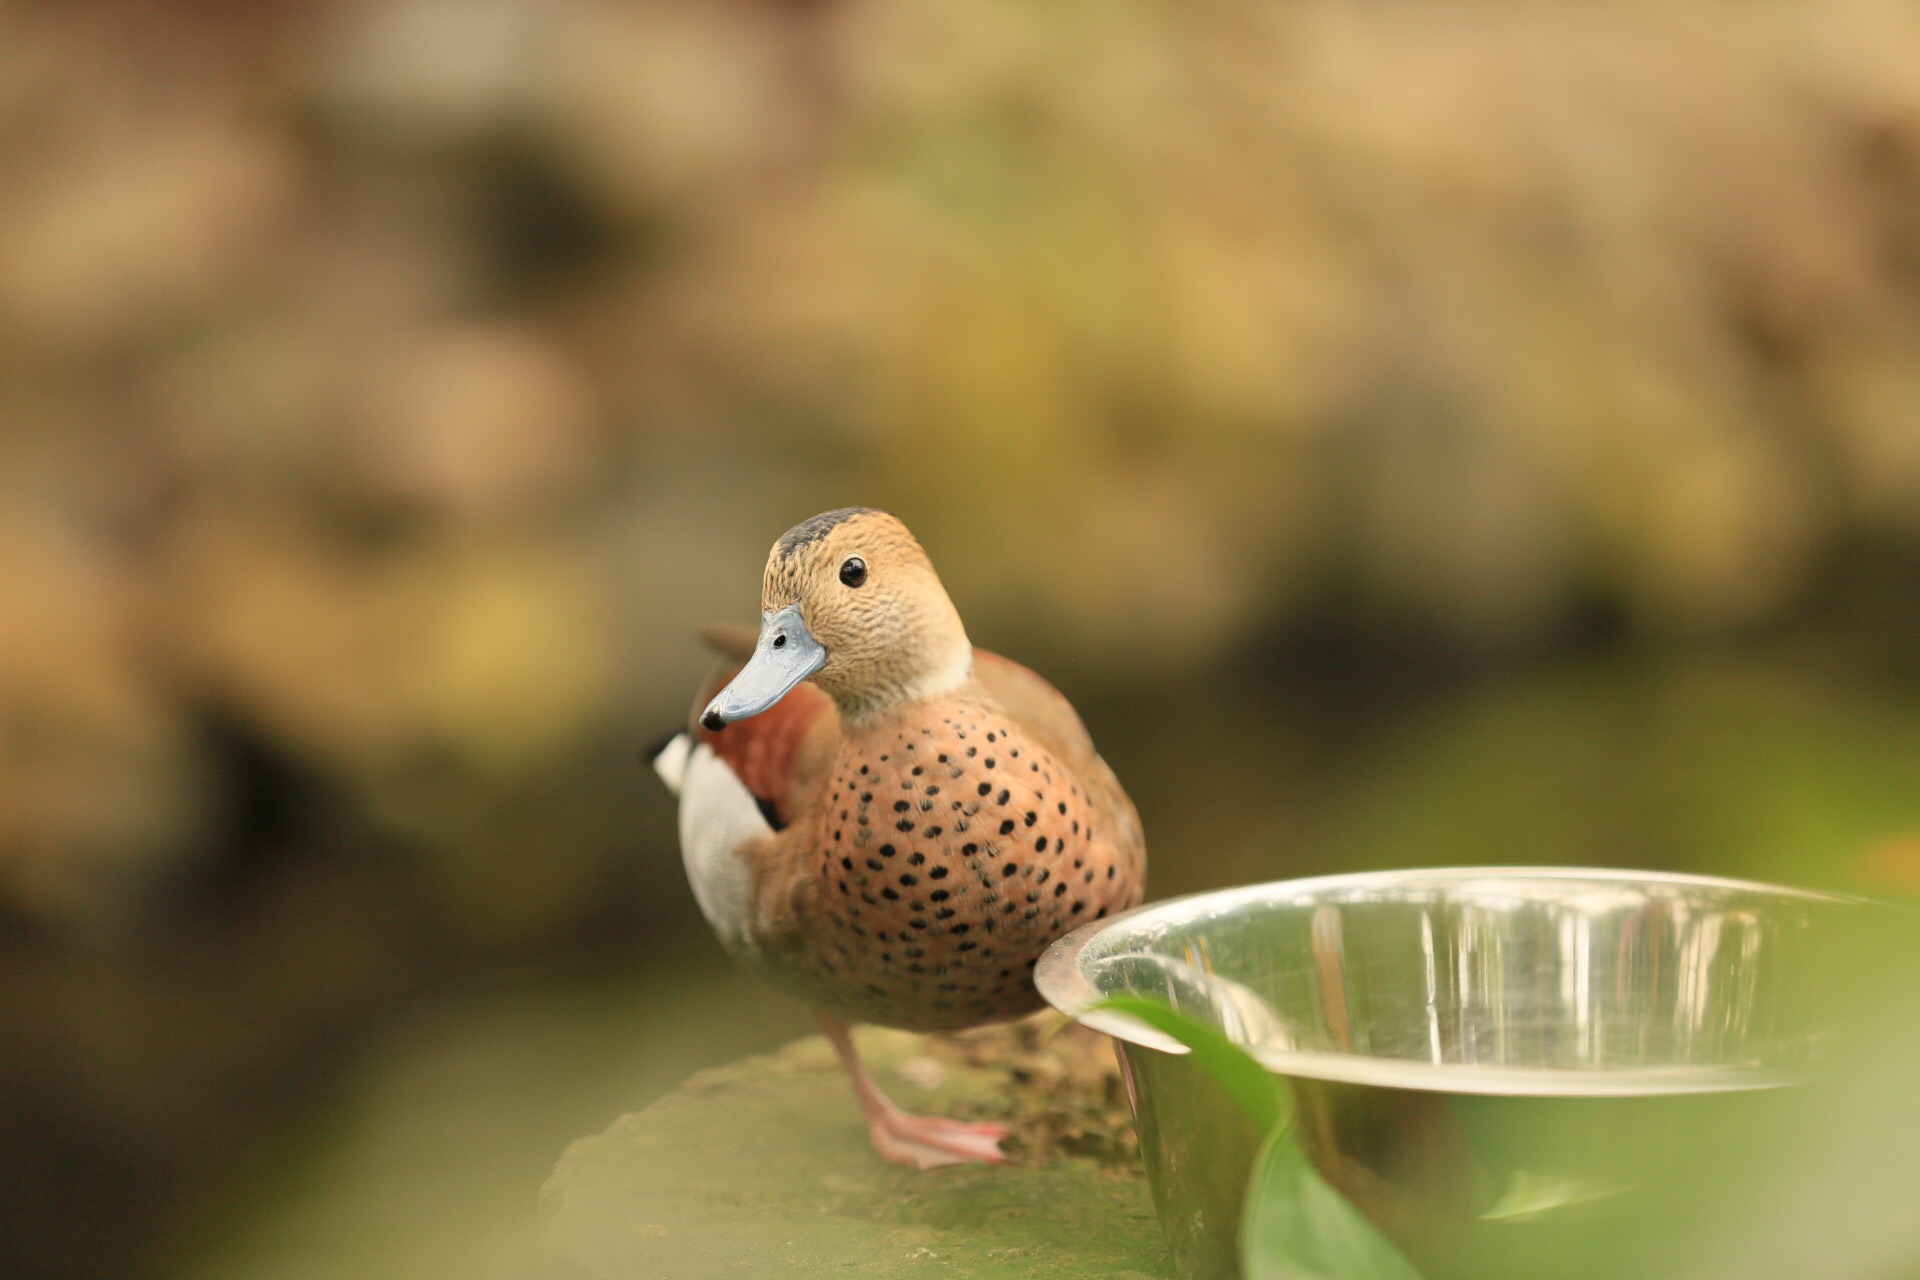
x=886, y=822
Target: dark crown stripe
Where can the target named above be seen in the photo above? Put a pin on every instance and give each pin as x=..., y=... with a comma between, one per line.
x=808, y=532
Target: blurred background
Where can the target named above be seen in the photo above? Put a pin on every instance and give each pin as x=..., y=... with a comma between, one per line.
x=1460, y=431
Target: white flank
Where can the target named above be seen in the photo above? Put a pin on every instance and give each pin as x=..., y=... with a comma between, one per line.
x=671, y=762
x=717, y=815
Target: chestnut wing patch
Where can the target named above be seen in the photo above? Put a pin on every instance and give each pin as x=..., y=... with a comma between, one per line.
x=761, y=750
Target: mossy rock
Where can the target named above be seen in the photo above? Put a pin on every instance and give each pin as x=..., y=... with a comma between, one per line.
x=762, y=1168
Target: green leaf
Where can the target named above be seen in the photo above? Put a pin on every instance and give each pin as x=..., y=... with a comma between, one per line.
x=1294, y=1226
x=1261, y=1095
x=1297, y=1227
x=1533, y=1195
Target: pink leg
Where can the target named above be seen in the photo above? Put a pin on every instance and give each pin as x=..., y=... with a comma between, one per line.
x=925, y=1142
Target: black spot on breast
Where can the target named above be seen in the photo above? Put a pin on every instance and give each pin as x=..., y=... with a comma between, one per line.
x=901, y=806
x=1006, y=828
x=986, y=788
x=917, y=771
x=1060, y=889
x=909, y=879
x=989, y=762
x=1109, y=873
x=1032, y=817
x=938, y=873
x=1040, y=845
x=847, y=863
x=939, y=895
x=889, y=894
x=933, y=831
x=1003, y=797
x=915, y=858
x=876, y=865
x=958, y=928
x=903, y=825
x=1063, y=808
x=1011, y=869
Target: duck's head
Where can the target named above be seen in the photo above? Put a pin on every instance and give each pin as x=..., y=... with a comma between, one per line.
x=851, y=602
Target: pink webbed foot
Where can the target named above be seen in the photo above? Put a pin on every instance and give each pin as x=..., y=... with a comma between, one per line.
x=922, y=1142
x=927, y=1142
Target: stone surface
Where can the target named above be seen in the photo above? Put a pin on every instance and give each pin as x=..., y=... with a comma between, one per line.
x=762, y=1168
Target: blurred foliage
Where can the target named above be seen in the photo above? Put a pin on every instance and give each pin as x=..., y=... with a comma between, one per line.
x=398, y=381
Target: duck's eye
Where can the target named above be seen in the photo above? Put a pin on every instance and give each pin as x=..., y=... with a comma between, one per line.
x=853, y=571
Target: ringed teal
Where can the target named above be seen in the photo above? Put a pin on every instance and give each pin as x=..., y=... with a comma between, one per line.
x=885, y=821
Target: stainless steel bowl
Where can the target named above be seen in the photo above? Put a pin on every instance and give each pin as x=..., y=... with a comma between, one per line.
x=1501, y=1067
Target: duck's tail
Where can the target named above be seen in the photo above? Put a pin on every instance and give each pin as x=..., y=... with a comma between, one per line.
x=730, y=640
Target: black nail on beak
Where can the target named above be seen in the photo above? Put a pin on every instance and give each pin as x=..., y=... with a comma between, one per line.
x=713, y=721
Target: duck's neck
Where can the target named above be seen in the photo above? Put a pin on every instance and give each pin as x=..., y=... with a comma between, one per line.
x=871, y=702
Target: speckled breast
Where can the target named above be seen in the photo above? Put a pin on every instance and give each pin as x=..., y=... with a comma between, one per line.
x=952, y=851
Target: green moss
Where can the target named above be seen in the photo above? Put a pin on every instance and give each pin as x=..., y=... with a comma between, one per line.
x=762, y=1168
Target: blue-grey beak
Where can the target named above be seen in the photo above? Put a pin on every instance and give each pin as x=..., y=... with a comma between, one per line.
x=785, y=654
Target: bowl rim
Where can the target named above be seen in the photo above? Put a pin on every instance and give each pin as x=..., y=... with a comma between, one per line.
x=1061, y=983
